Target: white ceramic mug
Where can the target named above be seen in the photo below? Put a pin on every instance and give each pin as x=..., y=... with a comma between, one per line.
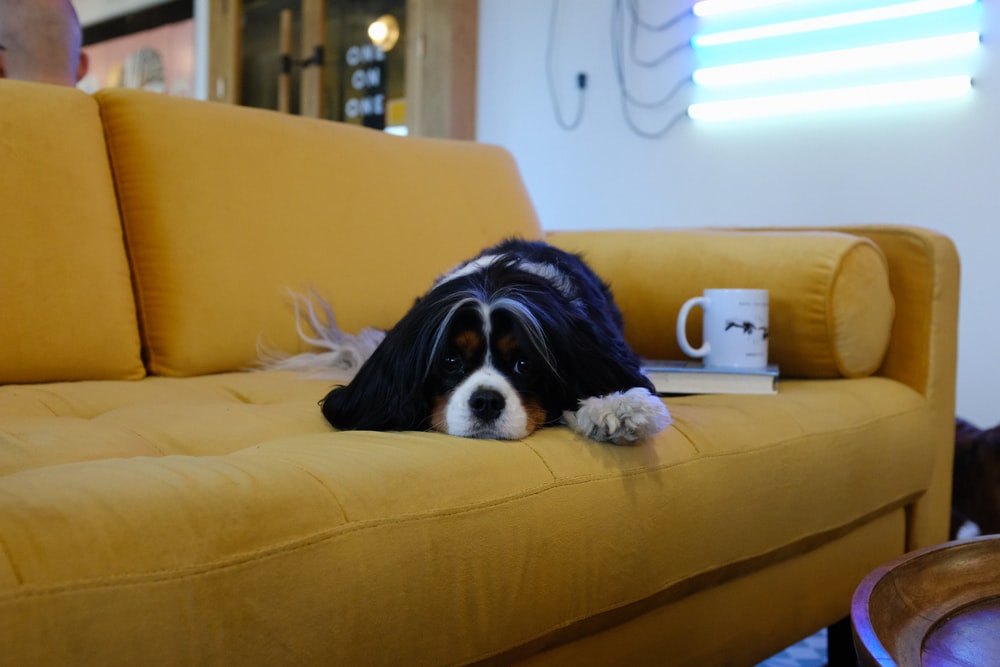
x=734, y=325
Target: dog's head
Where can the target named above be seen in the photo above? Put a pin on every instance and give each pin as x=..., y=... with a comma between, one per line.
x=499, y=347
x=493, y=374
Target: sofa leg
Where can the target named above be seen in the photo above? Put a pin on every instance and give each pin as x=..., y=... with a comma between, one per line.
x=840, y=644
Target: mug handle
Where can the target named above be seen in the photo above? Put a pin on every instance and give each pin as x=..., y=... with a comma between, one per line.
x=682, y=328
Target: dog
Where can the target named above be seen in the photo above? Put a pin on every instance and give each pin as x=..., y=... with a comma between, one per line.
x=522, y=336
x=975, y=490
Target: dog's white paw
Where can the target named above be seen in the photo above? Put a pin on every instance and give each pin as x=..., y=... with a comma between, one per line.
x=622, y=418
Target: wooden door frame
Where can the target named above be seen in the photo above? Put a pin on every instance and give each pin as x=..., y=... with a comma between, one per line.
x=225, y=50
x=441, y=60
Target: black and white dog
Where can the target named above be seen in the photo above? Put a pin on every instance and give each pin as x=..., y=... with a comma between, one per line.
x=525, y=335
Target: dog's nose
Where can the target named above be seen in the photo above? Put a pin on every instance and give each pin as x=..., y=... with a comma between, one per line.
x=486, y=404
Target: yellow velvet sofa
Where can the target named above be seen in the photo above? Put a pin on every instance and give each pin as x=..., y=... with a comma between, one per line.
x=161, y=504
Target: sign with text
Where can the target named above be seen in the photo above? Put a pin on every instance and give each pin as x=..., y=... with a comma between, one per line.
x=365, y=98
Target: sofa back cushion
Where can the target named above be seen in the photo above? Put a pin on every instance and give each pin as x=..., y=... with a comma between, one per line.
x=227, y=208
x=68, y=309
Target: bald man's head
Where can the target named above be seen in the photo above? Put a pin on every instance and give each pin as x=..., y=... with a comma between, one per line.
x=41, y=42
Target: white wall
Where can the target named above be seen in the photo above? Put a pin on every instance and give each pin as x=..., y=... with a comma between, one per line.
x=936, y=165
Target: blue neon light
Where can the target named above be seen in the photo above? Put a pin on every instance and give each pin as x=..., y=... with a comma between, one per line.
x=745, y=48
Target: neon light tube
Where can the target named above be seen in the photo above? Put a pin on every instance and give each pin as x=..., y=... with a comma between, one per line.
x=829, y=21
x=720, y=7
x=844, y=60
x=830, y=100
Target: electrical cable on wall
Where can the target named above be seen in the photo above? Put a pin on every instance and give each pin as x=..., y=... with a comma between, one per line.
x=581, y=79
x=620, y=9
x=638, y=22
x=666, y=25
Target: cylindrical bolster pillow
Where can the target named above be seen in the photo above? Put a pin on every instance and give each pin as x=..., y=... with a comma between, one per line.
x=831, y=309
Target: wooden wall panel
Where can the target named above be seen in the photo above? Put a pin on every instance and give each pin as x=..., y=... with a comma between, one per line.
x=224, y=50
x=441, y=67
x=313, y=36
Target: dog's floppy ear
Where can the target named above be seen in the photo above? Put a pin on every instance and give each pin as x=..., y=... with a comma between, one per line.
x=388, y=392
x=589, y=349
x=599, y=366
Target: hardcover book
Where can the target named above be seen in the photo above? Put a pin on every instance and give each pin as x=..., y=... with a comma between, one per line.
x=692, y=377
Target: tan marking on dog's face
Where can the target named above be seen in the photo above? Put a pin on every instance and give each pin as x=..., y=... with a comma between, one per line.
x=507, y=344
x=468, y=341
x=536, y=414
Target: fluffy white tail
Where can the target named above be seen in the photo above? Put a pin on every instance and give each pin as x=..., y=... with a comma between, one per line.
x=340, y=355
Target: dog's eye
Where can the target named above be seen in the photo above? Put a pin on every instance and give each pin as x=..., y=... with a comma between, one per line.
x=522, y=366
x=452, y=364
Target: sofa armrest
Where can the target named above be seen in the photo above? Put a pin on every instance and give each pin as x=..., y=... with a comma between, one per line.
x=923, y=273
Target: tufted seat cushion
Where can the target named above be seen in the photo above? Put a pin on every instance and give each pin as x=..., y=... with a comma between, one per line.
x=68, y=422
x=201, y=501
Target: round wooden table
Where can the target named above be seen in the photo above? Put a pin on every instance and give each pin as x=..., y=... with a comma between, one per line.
x=938, y=606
